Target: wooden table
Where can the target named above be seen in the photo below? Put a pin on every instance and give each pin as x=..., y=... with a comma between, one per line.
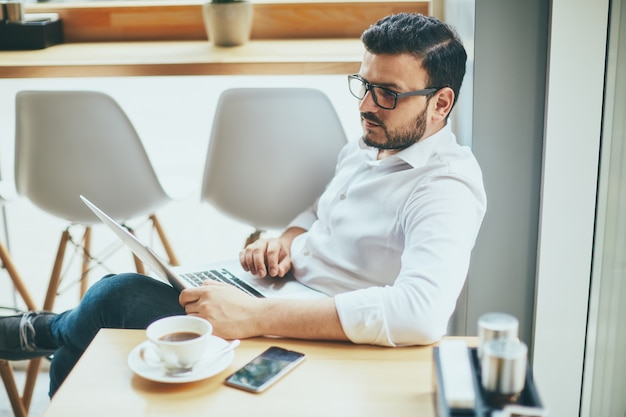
x=336, y=379
x=159, y=58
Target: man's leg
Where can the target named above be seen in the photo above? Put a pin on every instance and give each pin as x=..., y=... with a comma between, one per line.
x=126, y=301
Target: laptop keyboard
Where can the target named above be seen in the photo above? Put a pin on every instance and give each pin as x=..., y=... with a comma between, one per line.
x=225, y=276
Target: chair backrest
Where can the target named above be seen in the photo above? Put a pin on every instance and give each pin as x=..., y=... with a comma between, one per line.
x=69, y=143
x=271, y=153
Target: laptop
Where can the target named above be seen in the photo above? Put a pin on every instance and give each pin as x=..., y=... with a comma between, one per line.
x=230, y=272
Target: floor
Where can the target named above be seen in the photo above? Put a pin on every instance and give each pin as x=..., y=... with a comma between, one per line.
x=168, y=113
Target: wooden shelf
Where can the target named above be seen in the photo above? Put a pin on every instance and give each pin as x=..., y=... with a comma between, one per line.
x=159, y=58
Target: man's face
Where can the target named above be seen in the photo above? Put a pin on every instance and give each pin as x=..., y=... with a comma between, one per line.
x=394, y=130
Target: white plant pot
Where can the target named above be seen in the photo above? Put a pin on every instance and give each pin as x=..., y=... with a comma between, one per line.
x=228, y=24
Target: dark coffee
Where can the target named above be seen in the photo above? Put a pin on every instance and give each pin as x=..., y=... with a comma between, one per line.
x=179, y=336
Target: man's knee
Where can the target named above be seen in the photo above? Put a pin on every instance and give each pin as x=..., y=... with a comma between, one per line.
x=127, y=286
x=128, y=300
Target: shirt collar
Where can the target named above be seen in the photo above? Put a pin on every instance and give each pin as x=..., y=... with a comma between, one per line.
x=416, y=154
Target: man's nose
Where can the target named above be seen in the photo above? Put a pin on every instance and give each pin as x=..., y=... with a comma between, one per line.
x=367, y=104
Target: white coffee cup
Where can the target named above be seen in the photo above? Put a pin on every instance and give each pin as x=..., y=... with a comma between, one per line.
x=177, y=343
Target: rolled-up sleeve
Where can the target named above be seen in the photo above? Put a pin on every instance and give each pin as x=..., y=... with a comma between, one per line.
x=441, y=227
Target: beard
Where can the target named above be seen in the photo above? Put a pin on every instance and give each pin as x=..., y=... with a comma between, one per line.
x=400, y=138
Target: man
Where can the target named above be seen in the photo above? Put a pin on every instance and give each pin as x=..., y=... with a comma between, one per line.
x=389, y=240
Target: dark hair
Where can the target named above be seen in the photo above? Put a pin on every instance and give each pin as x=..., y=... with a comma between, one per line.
x=434, y=42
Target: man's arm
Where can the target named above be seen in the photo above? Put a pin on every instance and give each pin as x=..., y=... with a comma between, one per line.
x=235, y=314
x=304, y=319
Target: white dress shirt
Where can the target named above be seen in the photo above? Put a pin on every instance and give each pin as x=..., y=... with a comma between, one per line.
x=391, y=239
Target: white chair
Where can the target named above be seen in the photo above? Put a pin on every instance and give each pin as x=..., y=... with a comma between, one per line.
x=69, y=143
x=271, y=153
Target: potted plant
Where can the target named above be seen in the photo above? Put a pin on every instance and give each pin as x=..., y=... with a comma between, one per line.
x=228, y=22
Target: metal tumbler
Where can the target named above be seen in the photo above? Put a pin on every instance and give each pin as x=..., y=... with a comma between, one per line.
x=496, y=326
x=503, y=369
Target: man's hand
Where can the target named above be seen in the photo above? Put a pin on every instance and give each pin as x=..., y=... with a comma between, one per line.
x=266, y=257
x=269, y=256
x=231, y=311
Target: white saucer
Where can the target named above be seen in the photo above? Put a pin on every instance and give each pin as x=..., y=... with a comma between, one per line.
x=202, y=370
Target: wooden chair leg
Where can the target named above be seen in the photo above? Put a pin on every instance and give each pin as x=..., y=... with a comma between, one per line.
x=164, y=240
x=254, y=236
x=32, y=371
x=6, y=371
x=84, y=276
x=55, y=277
x=139, y=265
x=20, y=405
x=16, y=279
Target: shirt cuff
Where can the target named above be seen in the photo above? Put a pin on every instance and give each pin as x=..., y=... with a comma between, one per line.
x=362, y=318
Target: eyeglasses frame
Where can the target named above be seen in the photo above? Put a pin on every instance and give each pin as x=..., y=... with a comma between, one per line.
x=397, y=96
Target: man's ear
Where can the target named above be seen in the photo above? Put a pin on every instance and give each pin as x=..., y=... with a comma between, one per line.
x=442, y=103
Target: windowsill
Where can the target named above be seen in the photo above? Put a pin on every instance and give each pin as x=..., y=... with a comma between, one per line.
x=152, y=39
x=273, y=19
x=160, y=58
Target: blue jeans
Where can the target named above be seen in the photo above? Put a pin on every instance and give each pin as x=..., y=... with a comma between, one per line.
x=124, y=301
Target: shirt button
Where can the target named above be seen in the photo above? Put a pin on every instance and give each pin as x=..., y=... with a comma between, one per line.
x=342, y=196
x=306, y=252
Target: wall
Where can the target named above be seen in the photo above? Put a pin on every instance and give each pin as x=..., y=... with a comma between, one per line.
x=510, y=49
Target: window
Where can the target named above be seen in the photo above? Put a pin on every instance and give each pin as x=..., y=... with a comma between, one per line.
x=274, y=19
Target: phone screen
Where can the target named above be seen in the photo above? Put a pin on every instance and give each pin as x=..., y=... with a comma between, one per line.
x=265, y=369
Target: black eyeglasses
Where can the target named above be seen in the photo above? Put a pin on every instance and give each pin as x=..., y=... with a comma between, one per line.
x=382, y=96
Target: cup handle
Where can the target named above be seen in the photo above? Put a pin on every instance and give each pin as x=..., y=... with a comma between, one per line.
x=150, y=355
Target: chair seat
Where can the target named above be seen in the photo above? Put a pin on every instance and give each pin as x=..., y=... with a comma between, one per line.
x=70, y=143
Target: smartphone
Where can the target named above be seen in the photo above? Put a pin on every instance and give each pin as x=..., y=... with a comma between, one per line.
x=264, y=370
